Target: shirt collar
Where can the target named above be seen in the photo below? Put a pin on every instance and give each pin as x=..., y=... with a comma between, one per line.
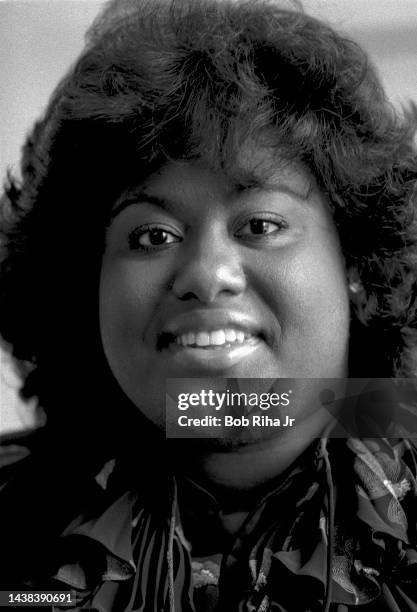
x=105, y=540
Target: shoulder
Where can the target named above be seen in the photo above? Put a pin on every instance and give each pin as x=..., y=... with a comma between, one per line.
x=15, y=451
x=16, y=459
x=59, y=531
x=41, y=492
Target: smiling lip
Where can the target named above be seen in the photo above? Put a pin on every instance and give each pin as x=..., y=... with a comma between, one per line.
x=213, y=358
x=213, y=340
x=211, y=321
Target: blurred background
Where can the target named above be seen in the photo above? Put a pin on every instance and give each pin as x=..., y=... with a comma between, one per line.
x=39, y=39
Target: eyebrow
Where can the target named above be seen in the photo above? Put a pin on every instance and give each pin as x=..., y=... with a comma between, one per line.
x=246, y=180
x=139, y=197
x=277, y=187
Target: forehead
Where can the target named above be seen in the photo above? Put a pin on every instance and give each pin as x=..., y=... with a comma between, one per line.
x=253, y=166
x=261, y=166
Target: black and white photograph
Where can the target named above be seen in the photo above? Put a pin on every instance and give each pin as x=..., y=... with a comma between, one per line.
x=208, y=305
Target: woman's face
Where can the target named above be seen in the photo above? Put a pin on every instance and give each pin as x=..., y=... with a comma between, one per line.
x=212, y=275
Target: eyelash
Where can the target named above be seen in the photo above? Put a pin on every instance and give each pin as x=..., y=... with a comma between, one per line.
x=280, y=224
x=140, y=232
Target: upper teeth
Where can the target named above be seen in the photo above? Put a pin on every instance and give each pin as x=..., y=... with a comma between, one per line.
x=219, y=337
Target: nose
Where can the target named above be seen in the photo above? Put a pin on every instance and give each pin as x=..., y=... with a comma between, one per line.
x=211, y=269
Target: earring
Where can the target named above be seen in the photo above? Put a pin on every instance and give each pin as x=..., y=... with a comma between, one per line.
x=355, y=287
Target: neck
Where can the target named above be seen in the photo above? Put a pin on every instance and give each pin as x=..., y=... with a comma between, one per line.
x=242, y=468
x=245, y=462
x=236, y=477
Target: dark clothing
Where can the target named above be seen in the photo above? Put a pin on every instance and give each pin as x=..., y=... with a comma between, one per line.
x=336, y=531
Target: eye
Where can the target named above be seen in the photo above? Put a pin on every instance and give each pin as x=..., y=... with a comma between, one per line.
x=150, y=237
x=261, y=227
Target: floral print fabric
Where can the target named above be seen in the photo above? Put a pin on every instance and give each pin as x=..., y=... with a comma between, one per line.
x=337, y=532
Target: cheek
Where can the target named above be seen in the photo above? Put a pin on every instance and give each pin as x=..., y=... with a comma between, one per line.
x=305, y=281
x=129, y=297
x=324, y=313
x=321, y=304
x=307, y=291
x=129, y=301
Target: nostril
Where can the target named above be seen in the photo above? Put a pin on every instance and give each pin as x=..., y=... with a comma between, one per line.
x=189, y=295
x=204, y=280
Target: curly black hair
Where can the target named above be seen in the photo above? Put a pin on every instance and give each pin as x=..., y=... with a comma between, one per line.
x=187, y=79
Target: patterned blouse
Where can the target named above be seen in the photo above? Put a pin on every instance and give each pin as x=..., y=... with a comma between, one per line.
x=336, y=532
